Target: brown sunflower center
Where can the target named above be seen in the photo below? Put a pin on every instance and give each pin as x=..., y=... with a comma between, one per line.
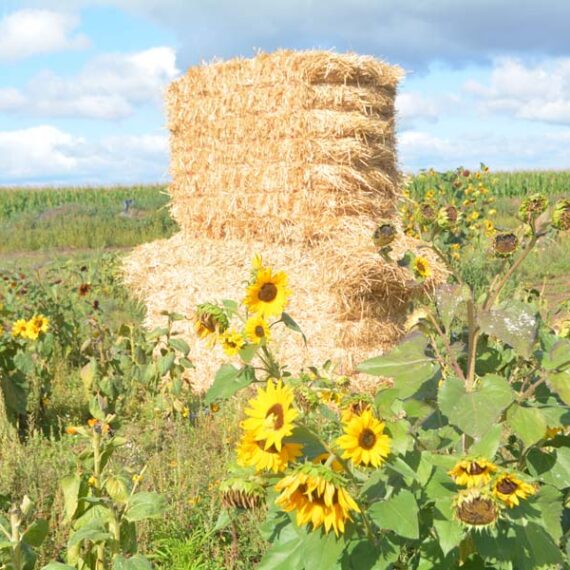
x=278, y=415
x=451, y=213
x=505, y=243
x=479, y=511
x=506, y=486
x=267, y=292
x=475, y=469
x=367, y=439
x=428, y=212
x=259, y=331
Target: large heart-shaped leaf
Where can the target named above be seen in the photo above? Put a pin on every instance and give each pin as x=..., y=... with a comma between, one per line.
x=228, y=381
x=528, y=423
x=477, y=411
x=513, y=323
x=408, y=364
x=559, y=382
x=399, y=513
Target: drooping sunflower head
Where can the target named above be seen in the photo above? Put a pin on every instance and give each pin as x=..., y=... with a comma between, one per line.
x=448, y=217
x=427, y=213
x=257, y=330
x=561, y=215
x=384, y=234
x=509, y=489
x=319, y=497
x=254, y=453
x=232, y=342
x=19, y=328
x=354, y=406
x=505, y=244
x=473, y=472
x=268, y=295
x=531, y=207
x=271, y=415
x=210, y=320
x=242, y=493
x=421, y=267
x=364, y=441
x=476, y=509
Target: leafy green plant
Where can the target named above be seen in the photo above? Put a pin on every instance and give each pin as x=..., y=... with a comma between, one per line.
x=103, y=506
x=460, y=457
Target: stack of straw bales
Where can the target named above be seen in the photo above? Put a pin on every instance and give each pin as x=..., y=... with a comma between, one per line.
x=291, y=155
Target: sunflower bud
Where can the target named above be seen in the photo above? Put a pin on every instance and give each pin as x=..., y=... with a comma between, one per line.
x=427, y=213
x=384, y=234
x=561, y=215
x=241, y=494
x=447, y=217
x=531, y=207
x=476, y=509
x=505, y=244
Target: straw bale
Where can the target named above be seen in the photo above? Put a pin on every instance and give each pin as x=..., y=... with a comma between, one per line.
x=310, y=126
x=177, y=274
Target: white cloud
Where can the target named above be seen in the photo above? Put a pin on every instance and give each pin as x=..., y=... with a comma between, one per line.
x=539, y=92
x=45, y=154
x=546, y=150
x=412, y=106
x=108, y=87
x=30, y=32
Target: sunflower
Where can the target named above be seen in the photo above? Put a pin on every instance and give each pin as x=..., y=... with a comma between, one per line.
x=254, y=453
x=531, y=207
x=232, y=342
x=41, y=323
x=268, y=295
x=384, y=234
x=448, y=217
x=270, y=414
x=475, y=509
x=509, y=489
x=421, y=267
x=561, y=215
x=237, y=492
x=505, y=244
x=364, y=440
x=19, y=328
x=257, y=330
x=210, y=321
x=319, y=497
x=32, y=332
x=473, y=472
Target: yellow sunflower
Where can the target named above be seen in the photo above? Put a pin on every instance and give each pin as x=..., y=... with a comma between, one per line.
x=257, y=330
x=41, y=323
x=19, y=328
x=421, y=267
x=271, y=414
x=364, y=440
x=268, y=295
x=473, y=472
x=32, y=331
x=317, y=497
x=509, y=489
x=232, y=342
x=251, y=452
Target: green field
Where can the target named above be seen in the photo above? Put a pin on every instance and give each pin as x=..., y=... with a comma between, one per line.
x=55, y=241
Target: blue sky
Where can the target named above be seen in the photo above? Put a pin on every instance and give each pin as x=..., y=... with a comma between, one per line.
x=81, y=81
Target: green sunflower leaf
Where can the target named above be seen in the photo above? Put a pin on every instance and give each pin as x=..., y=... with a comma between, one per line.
x=475, y=412
x=399, y=513
x=227, y=382
x=528, y=423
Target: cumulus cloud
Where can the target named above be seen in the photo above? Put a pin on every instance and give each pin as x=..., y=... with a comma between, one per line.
x=412, y=106
x=109, y=87
x=537, y=92
x=45, y=154
x=405, y=31
x=30, y=32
